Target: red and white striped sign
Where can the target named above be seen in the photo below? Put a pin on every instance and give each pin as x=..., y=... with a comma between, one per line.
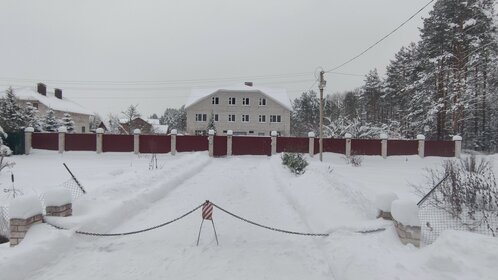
x=207, y=211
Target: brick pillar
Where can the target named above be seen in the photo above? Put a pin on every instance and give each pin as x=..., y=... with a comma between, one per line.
x=273, y=142
x=348, y=144
x=311, y=145
x=421, y=145
x=58, y=203
x=100, y=137
x=211, y=142
x=458, y=145
x=136, y=141
x=173, y=134
x=383, y=143
x=22, y=217
x=62, y=138
x=28, y=137
x=229, y=142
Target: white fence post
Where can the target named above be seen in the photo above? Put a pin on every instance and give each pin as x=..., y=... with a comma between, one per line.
x=62, y=138
x=383, y=142
x=311, y=136
x=211, y=142
x=174, y=132
x=458, y=145
x=28, y=138
x=348, y=144
x=100, y=133
x=421, y=145
x=273, y=142
x=136, y=141
x=229, y=142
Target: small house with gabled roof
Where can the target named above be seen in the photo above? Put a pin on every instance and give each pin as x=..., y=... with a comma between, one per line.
x=243, y=108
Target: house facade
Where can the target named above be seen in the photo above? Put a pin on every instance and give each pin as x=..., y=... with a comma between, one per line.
x=44, y=100
x=244, y=109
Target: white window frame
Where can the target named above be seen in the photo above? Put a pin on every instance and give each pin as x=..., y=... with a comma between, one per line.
x=201, y=117
x=245, y=118
x=275, y=118
x=231, y=117
x=262, y=101
x=216, y=117
x=245, y=101
x=215, y=100
x=262, y=118
x=230, y=101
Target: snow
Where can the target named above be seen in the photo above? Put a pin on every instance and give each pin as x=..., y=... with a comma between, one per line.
x=420, y=137
x=29, y=129
x=49, y=100
x=99, y=130
x=383, y=136
x=23, y=207
x=457, y=138
x=332, y=196
x=160, y=128
x=57, y=197
x=383, y=201
x=405, y=211
x=137, y=131
x=174, y=131
x=62, y=129
x=311, y=134
x=277, y=94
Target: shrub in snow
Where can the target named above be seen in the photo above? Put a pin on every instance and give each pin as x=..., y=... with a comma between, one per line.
x=354, y=159
x=405, y=211
x=295, y=162
x=25, y=207
x=468, y=192
x=49, y=122
x=67, y=121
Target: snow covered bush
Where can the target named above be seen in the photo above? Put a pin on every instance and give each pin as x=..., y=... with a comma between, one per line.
x=4, y=150
x=295, y=162
x=361, y=130
x=468, y=192
x=354, y=160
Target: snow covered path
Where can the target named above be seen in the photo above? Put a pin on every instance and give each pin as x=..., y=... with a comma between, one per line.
x=245, y=252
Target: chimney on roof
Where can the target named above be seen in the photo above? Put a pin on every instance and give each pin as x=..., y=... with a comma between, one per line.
x=249, y=84
x=41, y=88
x=58, y=93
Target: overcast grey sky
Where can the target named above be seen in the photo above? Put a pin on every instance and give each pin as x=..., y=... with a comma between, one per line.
x=108, y=54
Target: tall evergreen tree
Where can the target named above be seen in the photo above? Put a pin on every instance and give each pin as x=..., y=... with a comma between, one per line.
x=49, y=122
x=11, y=115
x=68, y=122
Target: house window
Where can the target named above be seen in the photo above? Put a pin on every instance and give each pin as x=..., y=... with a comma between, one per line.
x=251, y=131
x=215, y=100
x=231, y=100
x=83, y=129
x=245, y=101
x=275, y=118
x=262, y=102
x=245, y=118
x=216, y=117
x=262, y=118
x=231, y=118
x=200, y=117
x=35, y=104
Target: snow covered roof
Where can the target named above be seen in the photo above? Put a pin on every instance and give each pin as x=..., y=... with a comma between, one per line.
x=153, y=121
x=279, y=95
x=49, y=100
x=160, y=128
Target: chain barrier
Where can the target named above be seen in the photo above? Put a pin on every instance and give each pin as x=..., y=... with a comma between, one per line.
x=267, y=227
x=131, y=232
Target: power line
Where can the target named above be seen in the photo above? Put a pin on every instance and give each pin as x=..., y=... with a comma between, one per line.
x=381, y=39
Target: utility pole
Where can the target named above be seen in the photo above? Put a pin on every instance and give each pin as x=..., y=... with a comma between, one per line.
x=321, y=86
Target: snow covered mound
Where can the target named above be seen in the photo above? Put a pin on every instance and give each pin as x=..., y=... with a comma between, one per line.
x=57, y=197
x=383, y=201
x=25, y=207
x=405, y=211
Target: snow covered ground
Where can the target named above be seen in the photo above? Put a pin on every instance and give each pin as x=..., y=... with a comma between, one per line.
x=331, y=197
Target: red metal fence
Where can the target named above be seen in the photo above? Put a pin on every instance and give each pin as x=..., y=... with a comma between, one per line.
x=45, y=141
x=80, y=142
x=192, y=143
x=152, y=144
x=117, y=143
x=241, y=145
x=246, y=145
x=220, y=146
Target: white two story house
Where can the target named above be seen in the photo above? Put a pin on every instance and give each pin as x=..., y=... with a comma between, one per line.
x=243, y=108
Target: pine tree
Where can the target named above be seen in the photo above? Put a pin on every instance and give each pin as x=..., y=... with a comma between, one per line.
x=49, y=122
x=211, y=125
x=68, y=122
x=371, y=98
x=11, y=117
x=31, y=117
x=305, y=115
